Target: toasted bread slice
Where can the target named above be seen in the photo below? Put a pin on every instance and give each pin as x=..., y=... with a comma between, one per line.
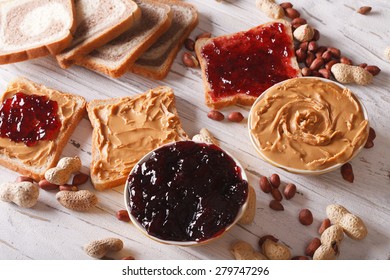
x=118, y=55
x=127, y=128
x=33, y=161
x=157, y=60
x=31, y=28
x=246, y=64
x=98, y=22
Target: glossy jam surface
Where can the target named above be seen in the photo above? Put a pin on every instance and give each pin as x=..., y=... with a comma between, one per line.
x=186, y=191
x=249, y=62
x=29, y=118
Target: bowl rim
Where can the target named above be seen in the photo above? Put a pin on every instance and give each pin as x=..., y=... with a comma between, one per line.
x=184, y=243
x=296, y=170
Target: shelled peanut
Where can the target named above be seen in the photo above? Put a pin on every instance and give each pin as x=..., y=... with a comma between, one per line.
x=347, y=172
x=370, y=140
x=364, y=10
x=189, y=58
x=122, y=215
x=232, y=117
x=271, y=185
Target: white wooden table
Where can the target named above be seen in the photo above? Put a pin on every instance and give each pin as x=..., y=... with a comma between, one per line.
x=49, y=231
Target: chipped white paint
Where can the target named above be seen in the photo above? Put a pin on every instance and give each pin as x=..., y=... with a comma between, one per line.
x=49, y=231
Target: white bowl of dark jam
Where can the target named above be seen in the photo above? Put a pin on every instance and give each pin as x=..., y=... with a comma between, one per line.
x=186, y=193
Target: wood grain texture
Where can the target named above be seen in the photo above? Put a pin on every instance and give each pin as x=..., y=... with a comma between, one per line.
x=49, y=231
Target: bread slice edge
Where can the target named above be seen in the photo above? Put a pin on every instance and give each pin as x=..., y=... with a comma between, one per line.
x=76, y=53
x=116, y=72
x=160, y=72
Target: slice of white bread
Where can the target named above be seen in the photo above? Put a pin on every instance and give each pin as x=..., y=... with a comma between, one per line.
x=224, y=70
x=34, y=28
x=35, y=160
x=157, y=60
x=98, y=22
x=127, y=128
x=115, y=57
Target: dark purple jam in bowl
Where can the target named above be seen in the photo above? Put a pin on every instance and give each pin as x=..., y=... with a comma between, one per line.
x=186, y=191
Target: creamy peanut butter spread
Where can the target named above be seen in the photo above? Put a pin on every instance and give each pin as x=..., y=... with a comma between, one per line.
x=308, y=124
x=40, y=153
x=129, y=128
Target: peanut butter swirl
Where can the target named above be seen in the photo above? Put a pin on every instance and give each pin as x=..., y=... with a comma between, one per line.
x=308, y=124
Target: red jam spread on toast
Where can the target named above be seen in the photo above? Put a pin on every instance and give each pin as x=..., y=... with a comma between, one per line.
x=186, y=191
x=29, y=118
x=249, y=62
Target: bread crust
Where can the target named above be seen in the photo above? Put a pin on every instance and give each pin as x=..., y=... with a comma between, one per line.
x=53, y=48
x=235, y=99
x=161, y=71
x=69, y=57
x=61, y=140
x=115, y=182
x=117, y=72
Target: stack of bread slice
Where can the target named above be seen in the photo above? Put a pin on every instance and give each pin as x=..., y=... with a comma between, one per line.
x=108, y=36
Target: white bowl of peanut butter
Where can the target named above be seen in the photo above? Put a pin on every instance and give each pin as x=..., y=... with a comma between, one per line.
x=308, y=125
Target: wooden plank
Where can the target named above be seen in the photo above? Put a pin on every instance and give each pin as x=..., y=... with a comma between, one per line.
x=49, y=231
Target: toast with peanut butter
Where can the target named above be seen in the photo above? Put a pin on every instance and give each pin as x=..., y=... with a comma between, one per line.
x=35, y=125
x=127, y=128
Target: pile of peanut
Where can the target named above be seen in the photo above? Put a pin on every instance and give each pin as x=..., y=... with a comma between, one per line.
x=339, y=222
x=314, y=59
x=323, y=61
x=271, y=186
x=25, y=192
